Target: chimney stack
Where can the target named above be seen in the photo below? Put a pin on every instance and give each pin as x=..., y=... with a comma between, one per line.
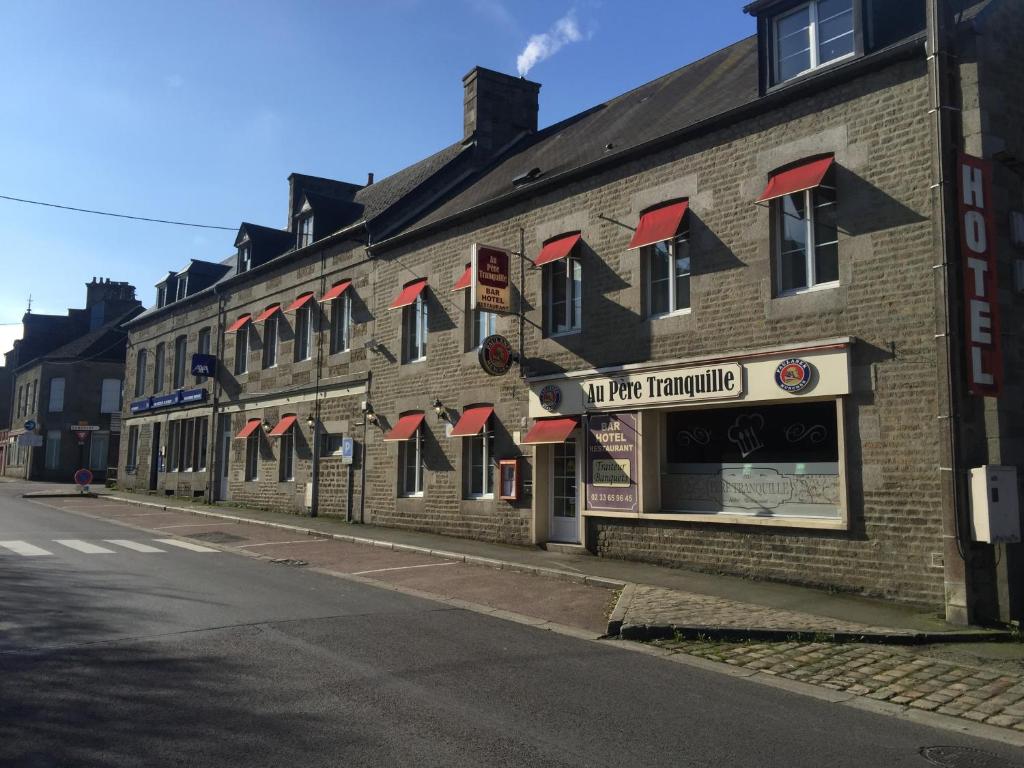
x=369, y=178
x=498, y=108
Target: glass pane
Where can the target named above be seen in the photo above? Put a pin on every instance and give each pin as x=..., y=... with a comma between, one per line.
x=683, y=289
x=792, y=271
x=793, y=222
x=826, y=263
x=825, y=230
x=577, y=294
x=793, y=43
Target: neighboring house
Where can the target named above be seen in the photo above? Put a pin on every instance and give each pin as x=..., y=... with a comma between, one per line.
x=744, y=330
x=72, y=393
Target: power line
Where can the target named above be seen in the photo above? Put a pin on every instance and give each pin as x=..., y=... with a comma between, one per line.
x=115, y=215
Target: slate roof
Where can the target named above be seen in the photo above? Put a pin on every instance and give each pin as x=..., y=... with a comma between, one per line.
x=708, y=87
x=381, y=195
x=94, y=344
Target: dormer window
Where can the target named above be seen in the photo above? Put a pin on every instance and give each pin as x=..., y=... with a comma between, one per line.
x=244, y=257
x=161, y=295
x=305, y=230
x=182, y=287
x=809, y=36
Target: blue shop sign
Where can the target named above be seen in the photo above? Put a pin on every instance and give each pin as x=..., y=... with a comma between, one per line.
x=162, y=401
x=197, y=395
x=139, y=406
x=204, y=365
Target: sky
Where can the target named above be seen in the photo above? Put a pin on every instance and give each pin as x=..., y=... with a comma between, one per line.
x=199, y=111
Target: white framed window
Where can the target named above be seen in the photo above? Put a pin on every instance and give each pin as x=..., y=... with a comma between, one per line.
x=479, y=454
x=158, y=367
x=484, y=324
x=56, y=395
x=244, y=257
x=270, y=341
x=414, y=330
x=188, y=442
x=242, y=350
x=806, y=239
x=668, y=275
x=110, y=396
x=53, y=449
x=132, y=459
x=341, y=322
x=180, y=352
x=410, y=465
x=203, y=348
x=564, y=295
x=141, y=363
x=252, y=457
x=305, y=230
x=810, y=36
x=286, y=456
x=182, y=287
x=201, y=443
x=173, y=446
x=304, y=331
x=161, y=295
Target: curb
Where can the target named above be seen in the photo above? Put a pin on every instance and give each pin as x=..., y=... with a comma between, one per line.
x=487, y=562
x=644, y=632
x=619, y=611
x=59, y=495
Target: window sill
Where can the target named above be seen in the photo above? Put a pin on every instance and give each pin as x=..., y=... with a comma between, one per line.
x=809, y=289
x=413, y=362
x=411, y=495
x=480, y=497
x=799, y=76
x=563, y=334
x=674, y=313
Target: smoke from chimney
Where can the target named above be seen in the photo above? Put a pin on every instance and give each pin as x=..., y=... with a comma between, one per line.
x=547, y=44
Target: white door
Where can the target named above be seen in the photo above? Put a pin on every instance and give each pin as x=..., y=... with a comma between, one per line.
x=565, y=510
x=224, y=463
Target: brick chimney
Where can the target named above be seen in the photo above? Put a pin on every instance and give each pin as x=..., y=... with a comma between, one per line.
x=498, y=108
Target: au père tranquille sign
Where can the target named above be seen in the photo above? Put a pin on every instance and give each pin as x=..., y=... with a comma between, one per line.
x=717, y=382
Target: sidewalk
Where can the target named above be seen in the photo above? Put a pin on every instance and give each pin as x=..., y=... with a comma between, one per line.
x=659, y=602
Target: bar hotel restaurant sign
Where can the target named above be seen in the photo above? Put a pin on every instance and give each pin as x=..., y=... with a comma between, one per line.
x=819, y=371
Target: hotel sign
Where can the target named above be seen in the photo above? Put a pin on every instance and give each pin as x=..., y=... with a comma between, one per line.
x=715, y=382
x=492, y=276
x=981, y=300
x=612, y=462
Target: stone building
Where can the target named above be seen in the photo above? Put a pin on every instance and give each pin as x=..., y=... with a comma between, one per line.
x=738, y=301
x=66, y=390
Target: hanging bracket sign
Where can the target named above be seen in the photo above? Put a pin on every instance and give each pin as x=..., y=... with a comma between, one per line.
x=491, y=279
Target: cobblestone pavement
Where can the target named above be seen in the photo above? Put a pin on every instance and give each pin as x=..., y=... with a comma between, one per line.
x=987, y=691
x=657, y=606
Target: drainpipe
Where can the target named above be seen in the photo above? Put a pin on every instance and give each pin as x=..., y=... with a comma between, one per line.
x=363, y=454
x=314, y=502
x=942, y=73
x=213, y=433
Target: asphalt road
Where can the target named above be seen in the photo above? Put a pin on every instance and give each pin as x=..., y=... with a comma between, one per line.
x=181, y=657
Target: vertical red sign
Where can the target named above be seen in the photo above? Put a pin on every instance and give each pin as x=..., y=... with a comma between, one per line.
x=981, y=298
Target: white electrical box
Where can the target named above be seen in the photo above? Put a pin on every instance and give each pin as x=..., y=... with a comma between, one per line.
x=995, y=514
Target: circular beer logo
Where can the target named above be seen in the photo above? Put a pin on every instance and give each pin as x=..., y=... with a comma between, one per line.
x=550, y=397
x=495, y=355
x=793, y=375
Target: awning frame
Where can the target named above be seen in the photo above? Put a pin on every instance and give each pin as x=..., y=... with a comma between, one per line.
x=335, y=291
x=409, y=293
x=405, y=428
x=558, y=247
x=473, y=421
x=797, y=177
x=660, y=220
x=555, y=425
x=282, y=427
x=251, y=428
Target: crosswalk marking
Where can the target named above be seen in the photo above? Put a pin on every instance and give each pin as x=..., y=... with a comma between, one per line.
x=84, y=546
x=187, y=545
x=137, y=546
x=24, y=548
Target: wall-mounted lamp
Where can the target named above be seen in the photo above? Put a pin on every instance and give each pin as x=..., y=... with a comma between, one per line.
x=266, y=425
x=440, y=410
x=367, y=409
x=310, y=421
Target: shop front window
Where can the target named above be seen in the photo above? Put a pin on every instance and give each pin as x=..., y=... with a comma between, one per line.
x=767, y=461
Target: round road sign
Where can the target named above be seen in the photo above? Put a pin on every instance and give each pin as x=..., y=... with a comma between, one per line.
x=83, y=477
x=30, y=425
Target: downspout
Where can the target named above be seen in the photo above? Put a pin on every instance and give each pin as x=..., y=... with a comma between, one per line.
x=314, y=503
x=213, y=438
x=943, y=81
x=362, y=455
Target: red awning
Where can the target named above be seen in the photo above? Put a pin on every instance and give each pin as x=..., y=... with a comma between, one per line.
x=335, y=291
x=239, y=324
x=300, y=302
x=406, y=427
x=283, y=425
x=796, y=179
x=556, y=249
x=659, y=224
x=550, y=431
x=472, y=421
x=409, y=294
x=463, y=282
x=250, y=426
x=267, y=313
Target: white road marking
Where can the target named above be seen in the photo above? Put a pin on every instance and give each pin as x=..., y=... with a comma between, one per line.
x=186, y=545
x=137, y=546
x=84, y=546
x=401, y=568
x=184, y=525
x=272, y=543
x=24, y=548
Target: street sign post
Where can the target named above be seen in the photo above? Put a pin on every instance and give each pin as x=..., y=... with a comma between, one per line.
x=347, y=450
x=82, y=479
